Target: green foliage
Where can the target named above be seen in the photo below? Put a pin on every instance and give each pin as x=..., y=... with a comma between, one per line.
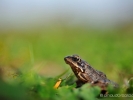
x=35, y=87
x=9, y=92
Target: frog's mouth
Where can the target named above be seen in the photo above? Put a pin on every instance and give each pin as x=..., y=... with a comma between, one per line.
x=73, y=64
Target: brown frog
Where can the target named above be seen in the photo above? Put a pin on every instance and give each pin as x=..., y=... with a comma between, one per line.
x=87, y=74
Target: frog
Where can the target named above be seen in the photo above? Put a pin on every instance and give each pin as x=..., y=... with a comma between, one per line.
x=85, y=73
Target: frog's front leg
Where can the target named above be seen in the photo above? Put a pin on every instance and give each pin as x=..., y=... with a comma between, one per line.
x=84, y=77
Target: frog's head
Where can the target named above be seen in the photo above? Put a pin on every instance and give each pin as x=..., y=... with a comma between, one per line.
x=76, y=63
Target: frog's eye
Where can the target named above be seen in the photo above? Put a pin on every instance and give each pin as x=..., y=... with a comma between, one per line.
x=76, y=58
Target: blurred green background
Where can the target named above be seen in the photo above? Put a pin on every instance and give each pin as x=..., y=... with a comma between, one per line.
x=39, y=47
x=45, y=49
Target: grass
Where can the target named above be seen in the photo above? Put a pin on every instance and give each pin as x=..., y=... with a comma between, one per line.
x=32, y=63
